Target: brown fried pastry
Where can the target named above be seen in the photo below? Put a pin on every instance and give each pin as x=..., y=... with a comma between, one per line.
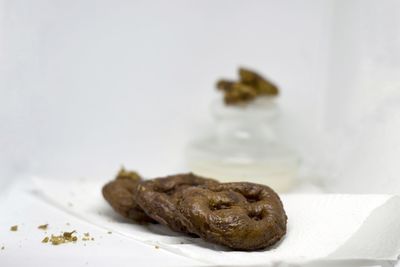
x=119, y=193
x=236, y=92
x=242, y=216
x=256, y=81
x=250, y=86
x=157, y=197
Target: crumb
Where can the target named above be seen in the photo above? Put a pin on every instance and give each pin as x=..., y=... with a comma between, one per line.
x=182, y=242
x=68, y=234
x=2, y=248
x=68, y=224
x=66, y=237
x=70, y=204
x=87, y=237
x=43, y=226
x=157, y=247
x=14, y=228
x=109, y=232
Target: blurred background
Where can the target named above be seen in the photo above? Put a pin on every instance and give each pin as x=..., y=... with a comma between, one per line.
x=88, y=86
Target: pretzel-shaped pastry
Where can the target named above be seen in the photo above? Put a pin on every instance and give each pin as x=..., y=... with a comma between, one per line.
x=242, y=216
x=158, y=197
x=119, y=193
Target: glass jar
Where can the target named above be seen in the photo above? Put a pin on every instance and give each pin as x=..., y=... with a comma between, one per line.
x=244, y=146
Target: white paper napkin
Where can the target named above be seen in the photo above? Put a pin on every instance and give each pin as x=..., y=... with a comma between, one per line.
x=320, y=226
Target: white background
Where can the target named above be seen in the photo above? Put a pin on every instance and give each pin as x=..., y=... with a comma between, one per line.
x=87, y=86
x=95, y=84
x=90, y=85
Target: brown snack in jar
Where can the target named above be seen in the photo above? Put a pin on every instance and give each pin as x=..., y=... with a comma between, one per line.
x=225, y=85
x=256, y=81
x=236, y=92
x=242, y=216
x=158, y=197
x=119, y=193
x=250, y=86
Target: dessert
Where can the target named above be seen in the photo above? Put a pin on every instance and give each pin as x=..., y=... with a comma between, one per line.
x=158, y=198
x=250, y=86
x=241, y=215
x=119, y=194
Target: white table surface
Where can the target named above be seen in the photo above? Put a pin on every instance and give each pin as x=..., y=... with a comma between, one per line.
x=24, y=247
x=21, y=207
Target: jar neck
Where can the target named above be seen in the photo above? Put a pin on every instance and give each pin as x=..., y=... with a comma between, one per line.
x=254, y=122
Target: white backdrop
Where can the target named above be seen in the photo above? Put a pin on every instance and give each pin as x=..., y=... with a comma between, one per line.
x=90, y=85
